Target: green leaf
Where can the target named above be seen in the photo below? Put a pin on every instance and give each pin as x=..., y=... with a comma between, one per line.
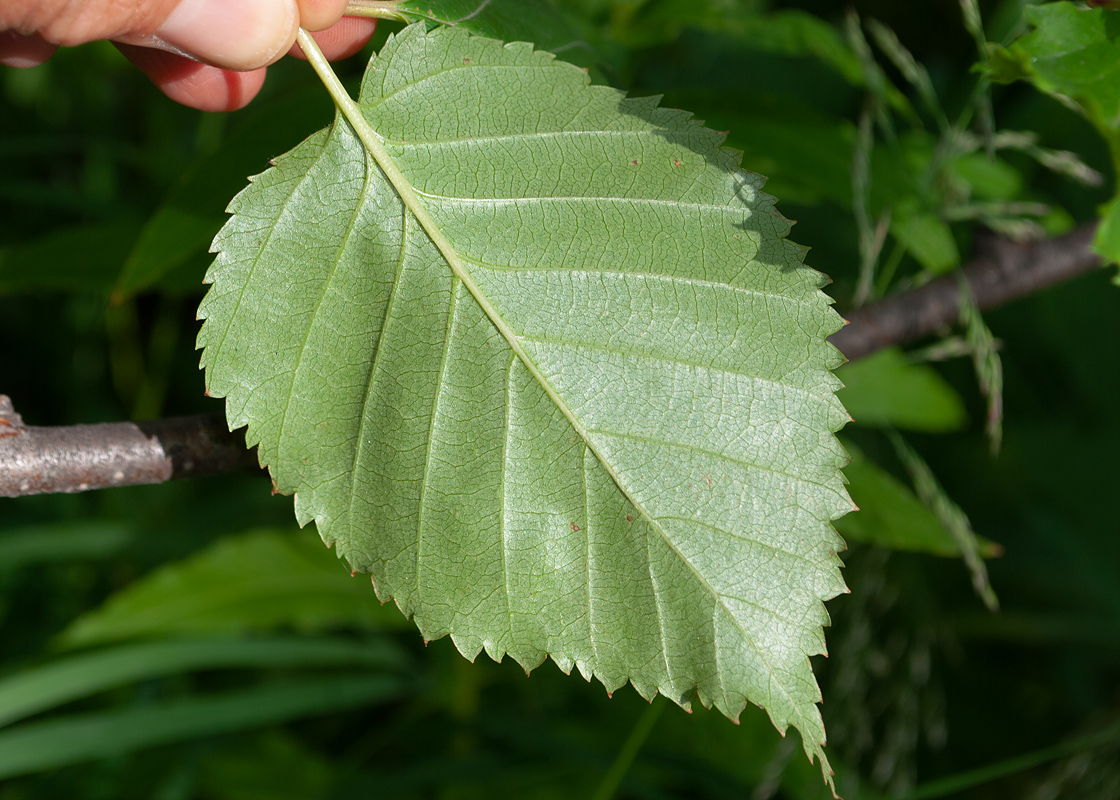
x=989, y=178
x=33, y=690
x=85, y=258
x=69, y=541
x=891, y=516
x=808, y=160
x=788, y=32
x=535, y=21
x=1108, y=234
x=257, y=581
x=928, y=238
x=1074, y=53
x=38, y=746
x=885, y=389
x=172, y=247
x=550, y=370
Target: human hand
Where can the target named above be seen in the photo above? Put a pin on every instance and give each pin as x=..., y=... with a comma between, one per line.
x=209, y=54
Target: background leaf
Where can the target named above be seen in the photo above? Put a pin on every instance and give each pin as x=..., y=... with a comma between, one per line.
x=598, y=371
x=37, y=544
x=892, y=516
x=36, y=746
x=251, y=582
x=886, y=389
x=33, y=690
x=172, y=249
x=84, y=258
x=536, y=21
x=1074, y=53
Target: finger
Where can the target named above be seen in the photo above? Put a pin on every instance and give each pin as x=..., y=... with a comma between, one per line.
x=194, y=84
x=317, y=15
x=341, y=40
x=232, y=34
x=17, y=50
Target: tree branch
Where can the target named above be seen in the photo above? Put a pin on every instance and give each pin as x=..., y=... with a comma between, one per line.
x=1002, y=271
x=38, y=460
x=77, y=458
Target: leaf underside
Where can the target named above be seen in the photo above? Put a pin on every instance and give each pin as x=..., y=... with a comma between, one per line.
x=638, y=478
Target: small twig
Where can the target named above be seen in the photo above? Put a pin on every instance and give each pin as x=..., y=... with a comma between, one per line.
x=77, y=458
x=1003, y=271
x=38, y=460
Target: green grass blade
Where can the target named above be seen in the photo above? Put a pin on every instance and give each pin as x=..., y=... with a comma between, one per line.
x=72, y=541
x=31, y=691
x=39, y=746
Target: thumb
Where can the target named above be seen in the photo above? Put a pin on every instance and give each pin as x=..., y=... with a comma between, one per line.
x=232, y=34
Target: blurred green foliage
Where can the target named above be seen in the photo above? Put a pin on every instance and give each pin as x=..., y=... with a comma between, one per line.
x=182, y=641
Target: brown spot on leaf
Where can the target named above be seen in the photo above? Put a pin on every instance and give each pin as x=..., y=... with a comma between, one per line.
x=575, y=527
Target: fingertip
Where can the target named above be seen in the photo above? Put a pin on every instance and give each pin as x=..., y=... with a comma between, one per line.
x=341, y=40
x=194, y=84
x=317, y=15
x=240, y=35
x=21, y=52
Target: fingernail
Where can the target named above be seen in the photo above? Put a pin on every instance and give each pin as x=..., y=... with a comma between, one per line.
x=234, y=34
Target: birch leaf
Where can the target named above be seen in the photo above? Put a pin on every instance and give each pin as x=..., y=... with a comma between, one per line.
x=550, y=371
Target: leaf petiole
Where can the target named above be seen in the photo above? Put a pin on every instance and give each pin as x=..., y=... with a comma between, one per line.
x=377, y=9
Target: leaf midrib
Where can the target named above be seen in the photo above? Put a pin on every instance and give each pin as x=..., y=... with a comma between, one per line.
x=606, y=348
x=695, y=283
x=642, y=201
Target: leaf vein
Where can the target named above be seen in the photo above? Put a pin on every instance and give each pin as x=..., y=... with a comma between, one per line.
x=375, y=362
x=335, y=261
x=674, y=360
x=653, y=276
x=452, y=311
x=708, y=452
